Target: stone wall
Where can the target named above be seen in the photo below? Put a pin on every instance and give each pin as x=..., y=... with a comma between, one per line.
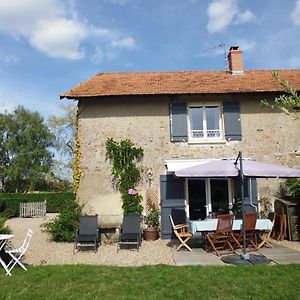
x=267, y=136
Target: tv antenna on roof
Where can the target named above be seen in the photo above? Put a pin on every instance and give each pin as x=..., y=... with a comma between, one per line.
x=221, y=45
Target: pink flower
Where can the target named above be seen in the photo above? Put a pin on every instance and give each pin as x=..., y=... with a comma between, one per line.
x=132, y=192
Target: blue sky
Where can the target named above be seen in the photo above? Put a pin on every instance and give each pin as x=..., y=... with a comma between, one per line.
x=49, y=46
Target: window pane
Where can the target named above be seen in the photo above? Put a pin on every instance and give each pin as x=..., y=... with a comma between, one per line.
x=196, y=121
x=212, y=117
x=196, y=118
x=212, y=121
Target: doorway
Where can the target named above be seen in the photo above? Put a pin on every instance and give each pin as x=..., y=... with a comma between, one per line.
x=208, y=195
x=219, y=195
x=197, y=199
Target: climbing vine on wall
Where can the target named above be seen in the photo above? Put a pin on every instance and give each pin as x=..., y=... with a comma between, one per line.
x=77, y=174
x=124, y=157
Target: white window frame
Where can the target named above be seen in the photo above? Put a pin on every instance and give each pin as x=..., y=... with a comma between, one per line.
x=205, y=137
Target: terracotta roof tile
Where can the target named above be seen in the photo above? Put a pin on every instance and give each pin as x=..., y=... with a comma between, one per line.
x=181, y=82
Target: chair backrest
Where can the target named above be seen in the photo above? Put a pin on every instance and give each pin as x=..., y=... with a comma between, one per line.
x=131, y=223
x=178, y=215
x=177, y=231
x=88, y=224
x=172, y=222
x=225, y=223
x=26, y=241
x=250, y=220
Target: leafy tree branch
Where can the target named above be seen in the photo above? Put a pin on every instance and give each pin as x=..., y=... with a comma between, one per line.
x=289, y=102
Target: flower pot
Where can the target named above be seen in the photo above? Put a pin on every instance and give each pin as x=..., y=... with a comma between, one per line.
x=151, y=234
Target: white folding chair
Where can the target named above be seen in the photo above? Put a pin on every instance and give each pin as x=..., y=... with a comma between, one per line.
x=17, y=253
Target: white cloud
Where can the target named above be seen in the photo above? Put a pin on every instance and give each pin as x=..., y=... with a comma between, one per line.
x=9, y=59
x=296, y=14
x=60, y=39
x=245, y=44
x=53, y=27
x=120, y=2
x=102, y=53
x=98, y=56
x=222, y=13
x=245, y=17
x=127, y=43
x=6, y=106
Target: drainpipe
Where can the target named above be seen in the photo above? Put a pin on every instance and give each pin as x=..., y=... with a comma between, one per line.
x=250, y=194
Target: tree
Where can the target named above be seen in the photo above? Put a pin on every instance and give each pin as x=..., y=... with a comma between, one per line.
x=25, y=156
x=64, y=129
x=288, y=102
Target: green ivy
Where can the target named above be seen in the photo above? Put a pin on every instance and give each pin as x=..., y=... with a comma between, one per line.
x=125, y=172
x=77, y=173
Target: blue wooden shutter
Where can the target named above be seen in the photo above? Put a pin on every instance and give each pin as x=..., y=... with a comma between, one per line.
x=232, y=121
x=172, y=202
x=178, y=122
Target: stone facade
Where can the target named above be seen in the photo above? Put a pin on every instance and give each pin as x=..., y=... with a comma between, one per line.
x=267, y=135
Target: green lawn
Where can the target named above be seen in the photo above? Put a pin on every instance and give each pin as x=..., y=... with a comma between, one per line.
x=152, y=282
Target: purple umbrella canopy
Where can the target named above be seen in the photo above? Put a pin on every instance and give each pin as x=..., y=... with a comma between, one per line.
x=253, y=168
x=228, y=168
x=216, y=168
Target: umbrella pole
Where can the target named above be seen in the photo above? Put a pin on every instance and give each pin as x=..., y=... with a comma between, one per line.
x=245, y=255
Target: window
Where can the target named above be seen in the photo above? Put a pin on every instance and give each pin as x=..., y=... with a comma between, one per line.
x=205, y=122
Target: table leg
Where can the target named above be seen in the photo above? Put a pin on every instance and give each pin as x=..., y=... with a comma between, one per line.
x=2, y=244
x=5, y=267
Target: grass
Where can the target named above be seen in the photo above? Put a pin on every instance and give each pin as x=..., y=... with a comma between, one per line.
x=152, y=282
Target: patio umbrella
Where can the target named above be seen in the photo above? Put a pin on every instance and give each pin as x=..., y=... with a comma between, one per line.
x=230, y=168
x=245, y=168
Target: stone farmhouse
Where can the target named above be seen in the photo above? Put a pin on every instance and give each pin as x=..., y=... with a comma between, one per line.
x=181, y=118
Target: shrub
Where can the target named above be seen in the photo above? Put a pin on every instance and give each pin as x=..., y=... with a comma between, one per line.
x=62, y=228
x=4, y=229
x=293, y=187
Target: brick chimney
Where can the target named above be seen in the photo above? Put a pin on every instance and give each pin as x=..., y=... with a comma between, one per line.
x=235, y=61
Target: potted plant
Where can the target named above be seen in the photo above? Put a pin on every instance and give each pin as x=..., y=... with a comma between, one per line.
x=237, y=207
x=151, y=220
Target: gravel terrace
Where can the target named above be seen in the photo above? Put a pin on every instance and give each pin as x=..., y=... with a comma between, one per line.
x=43, y=251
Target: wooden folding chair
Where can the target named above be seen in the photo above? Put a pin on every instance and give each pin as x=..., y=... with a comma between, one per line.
x=283, y=225
x=265, y=240
x=250, y=232
x=219, y=241
x=182, y=234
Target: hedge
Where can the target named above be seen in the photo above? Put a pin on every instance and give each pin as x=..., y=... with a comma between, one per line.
x=10, y=202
